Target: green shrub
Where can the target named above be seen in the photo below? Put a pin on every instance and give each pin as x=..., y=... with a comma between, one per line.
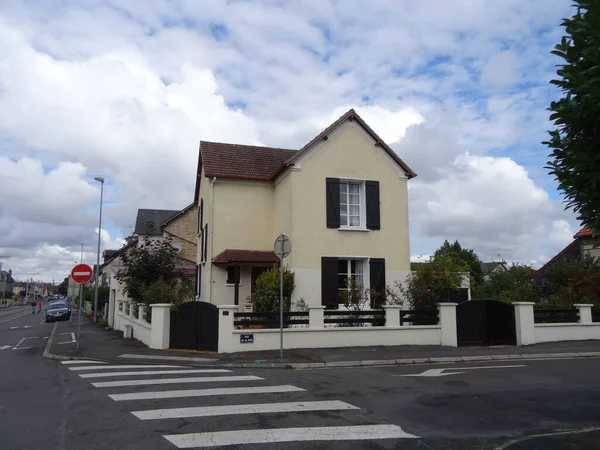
x=266, y=291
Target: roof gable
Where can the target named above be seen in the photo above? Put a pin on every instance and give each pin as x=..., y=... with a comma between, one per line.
x=148, y=221
x=257, y=163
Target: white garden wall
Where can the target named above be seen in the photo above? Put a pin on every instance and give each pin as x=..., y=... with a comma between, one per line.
x=555, y=332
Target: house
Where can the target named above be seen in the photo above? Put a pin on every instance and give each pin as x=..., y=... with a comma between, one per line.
x=177, y=225
x=6, y=283
x=488, y=268
x=584, y=243
x=341, y=199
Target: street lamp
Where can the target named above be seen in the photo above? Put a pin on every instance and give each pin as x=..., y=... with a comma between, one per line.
x=101, y=181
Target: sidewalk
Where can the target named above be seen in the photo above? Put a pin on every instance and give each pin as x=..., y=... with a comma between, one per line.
x=109, y=345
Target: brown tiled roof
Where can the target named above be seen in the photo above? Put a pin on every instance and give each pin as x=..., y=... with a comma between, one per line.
x=584, y=232
x=245, y=256
x=553, y=260
x=242, y=162
x=249, y=162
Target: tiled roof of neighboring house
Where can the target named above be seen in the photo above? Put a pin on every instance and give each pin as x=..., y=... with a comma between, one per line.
x=554, y=259
x=179, y=213
x=245, y=256
x=148, y=221
x=584, y=232
x=248, y=162
x=489, y=267
x=242, y=162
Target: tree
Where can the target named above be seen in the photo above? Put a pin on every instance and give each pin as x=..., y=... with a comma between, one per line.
x=576, y=137
x=573, y=281
x=511, y=285
x=433, y=282
x=266, y=290
x=464, y=255
x=103, y=295
x=63, y=287
x=149, y=274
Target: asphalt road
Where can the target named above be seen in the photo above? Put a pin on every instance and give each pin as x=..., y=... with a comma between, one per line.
x=530, y=404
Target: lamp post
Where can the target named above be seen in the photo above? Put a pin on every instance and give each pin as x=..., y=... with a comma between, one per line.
x=101, y=180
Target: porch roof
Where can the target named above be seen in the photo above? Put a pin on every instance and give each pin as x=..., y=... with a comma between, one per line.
x=245, y=257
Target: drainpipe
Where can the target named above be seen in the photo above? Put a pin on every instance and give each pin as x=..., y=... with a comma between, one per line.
x=209, y=237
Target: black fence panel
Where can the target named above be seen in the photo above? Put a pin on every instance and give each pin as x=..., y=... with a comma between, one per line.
x=195, y=326
x=555, y=315
x=485, y=323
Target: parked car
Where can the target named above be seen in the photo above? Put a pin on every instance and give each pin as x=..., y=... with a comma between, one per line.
x=58, y=311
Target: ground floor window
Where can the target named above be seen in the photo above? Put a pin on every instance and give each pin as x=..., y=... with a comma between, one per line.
x=350, y=269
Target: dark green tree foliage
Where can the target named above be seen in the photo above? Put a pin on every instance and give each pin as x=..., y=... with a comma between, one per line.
x=266, y=290
x=464, y=255
x=63, y=287
x=511, y=285
x=575, y=140
x=149, y=269
x=573, y=281
x=103, y=293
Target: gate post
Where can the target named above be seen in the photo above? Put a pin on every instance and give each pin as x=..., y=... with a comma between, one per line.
x=226, y=342
x=316, y=317
x=392, y=315
x=160, y=329
x=447, y=314
x=585, y=312
x=524, y=323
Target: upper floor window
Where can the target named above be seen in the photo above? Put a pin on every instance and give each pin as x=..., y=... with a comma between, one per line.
x=351, y=204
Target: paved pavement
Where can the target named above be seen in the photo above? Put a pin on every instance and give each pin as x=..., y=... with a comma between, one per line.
x=109, y=345
x=529, y=404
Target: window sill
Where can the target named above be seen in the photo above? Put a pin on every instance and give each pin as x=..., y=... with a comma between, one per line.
x=353, y=229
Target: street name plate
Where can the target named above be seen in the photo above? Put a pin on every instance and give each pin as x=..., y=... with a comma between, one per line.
x=246, y=339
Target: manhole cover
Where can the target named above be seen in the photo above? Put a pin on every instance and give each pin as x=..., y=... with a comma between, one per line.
x=456, y=383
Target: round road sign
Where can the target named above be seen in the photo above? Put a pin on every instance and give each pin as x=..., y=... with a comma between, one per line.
x=81, y=273
x=283, y=246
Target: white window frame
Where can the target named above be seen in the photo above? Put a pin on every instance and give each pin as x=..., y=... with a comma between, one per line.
x=365, y=272
x=362, y=205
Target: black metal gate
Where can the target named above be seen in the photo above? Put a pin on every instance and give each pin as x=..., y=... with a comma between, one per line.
x=485, y=323
x=195, y=326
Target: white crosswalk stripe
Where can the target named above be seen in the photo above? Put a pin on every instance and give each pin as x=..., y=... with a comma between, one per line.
x=126, y=366
x=237, y=437
x=151, y=382
x=82, y=361
x=206, y=392
x=150, y=372
x=259, y=408
x=239, y=404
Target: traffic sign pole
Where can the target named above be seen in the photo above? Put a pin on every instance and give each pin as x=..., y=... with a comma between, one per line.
x=283, y=247
x=81, y=274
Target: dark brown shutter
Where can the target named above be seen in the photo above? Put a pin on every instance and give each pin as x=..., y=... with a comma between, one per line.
x=329, y=281
x=377, y=280
x=332, y=193
x=205, y=241
x=200, y=216
x=372, y=200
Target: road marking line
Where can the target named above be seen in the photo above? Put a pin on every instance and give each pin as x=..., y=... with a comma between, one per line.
x=205, y=392
x=238, y=437
x=228, y=410
x=82, y=361
x=150, y=372
x=4, y=347
x=166, y=358
x=175, y=381
x=125, y=366
x=458, y=371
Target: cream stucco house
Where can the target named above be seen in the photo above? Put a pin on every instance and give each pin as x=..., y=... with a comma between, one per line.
x=342, y=200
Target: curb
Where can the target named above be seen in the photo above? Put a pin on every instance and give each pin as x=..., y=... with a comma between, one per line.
x=47, y=353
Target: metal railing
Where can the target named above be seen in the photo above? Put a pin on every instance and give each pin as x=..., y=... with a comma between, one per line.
x=339, y=318
x=555, y=315
x=419, y=317
x=246, y=320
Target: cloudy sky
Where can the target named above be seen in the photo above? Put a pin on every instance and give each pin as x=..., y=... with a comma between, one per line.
x=126, y=89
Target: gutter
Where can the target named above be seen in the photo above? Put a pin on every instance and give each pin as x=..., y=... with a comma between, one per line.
x=210, y=235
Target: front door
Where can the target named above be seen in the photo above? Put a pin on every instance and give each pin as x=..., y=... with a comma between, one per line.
x=254, y=274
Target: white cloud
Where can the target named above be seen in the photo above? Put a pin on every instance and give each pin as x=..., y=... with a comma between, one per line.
x=501, y=69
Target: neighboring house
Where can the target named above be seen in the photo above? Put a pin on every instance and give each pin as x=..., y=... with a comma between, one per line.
x=488, y=268
x=6, y=282
x=342, y=200
x=19, y=288
x=156, y=224
x=584, y=243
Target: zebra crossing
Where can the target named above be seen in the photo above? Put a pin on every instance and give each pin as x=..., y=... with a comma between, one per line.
x=222, y=408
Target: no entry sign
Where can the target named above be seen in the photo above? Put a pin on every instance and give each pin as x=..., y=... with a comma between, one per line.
x=81, y=273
